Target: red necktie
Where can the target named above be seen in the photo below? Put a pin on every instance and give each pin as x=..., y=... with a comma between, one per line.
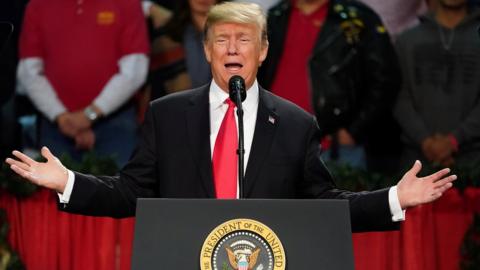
x=225, y=156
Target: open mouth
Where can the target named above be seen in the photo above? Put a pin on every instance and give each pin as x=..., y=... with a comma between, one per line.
x=233, y=66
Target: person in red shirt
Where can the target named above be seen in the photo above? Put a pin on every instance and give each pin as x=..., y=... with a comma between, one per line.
x=80, y=63
x=335, y=59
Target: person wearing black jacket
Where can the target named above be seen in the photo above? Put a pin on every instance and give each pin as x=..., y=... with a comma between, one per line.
x=11, y=14
x=353, y=77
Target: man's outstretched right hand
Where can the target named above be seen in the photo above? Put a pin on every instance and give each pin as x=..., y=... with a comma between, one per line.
x=51, y=174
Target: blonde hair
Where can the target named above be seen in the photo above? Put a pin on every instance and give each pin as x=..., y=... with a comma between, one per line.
x=237, y=12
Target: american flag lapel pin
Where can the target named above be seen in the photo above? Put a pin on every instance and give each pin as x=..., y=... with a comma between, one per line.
x=271, y=119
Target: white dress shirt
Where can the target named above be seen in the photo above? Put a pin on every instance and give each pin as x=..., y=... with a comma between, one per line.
x=218, y=108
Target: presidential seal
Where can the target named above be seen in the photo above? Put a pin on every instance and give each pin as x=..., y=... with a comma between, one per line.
x=242, y=244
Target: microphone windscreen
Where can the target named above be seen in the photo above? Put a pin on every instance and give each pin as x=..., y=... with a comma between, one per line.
x=237, y=84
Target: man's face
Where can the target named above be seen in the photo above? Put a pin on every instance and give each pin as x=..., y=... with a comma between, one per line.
x=234, y=49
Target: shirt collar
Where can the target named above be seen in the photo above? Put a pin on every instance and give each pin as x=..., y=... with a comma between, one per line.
x=218, y=97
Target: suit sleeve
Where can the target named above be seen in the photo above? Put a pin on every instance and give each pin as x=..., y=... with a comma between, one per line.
x=116, y=196
x=369, y=211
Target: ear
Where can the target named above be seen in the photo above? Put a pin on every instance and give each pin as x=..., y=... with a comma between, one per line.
x=263, y=52
x=207, y=48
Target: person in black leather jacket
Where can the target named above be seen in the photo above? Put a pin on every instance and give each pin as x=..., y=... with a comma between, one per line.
x=353, y=75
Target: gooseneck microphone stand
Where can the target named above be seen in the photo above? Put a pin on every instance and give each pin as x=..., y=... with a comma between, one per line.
x=237, y=92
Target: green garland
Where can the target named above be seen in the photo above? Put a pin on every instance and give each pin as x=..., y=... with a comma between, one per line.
x=9, y=260
x=355, y=179
x=349, y=178
x=91, y=164
x=15, y=185
x=470, y=250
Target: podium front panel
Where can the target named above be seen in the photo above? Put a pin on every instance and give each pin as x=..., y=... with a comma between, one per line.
x=169, y=233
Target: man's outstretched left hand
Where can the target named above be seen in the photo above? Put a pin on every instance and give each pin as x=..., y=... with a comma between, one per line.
x=413, y=190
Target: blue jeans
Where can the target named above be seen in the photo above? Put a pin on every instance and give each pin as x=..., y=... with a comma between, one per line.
x=350, y=155
x=115, y=136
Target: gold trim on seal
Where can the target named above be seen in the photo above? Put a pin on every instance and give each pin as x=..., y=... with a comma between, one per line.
x=249, y=225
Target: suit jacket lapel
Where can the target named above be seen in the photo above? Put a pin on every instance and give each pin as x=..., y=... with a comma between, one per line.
x=198, y=127
x=267, y=121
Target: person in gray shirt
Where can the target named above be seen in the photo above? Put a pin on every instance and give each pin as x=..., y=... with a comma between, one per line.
x=438, y=107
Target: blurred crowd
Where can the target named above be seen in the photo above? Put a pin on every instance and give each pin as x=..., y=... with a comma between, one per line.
x=388, y=81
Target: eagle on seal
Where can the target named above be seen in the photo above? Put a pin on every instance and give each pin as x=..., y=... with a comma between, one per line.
x=244, y=259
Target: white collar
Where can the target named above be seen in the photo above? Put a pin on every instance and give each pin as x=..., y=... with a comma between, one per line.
x=218, y=97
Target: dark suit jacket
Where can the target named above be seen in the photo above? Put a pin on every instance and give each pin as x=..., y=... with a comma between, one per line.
x=173, y=160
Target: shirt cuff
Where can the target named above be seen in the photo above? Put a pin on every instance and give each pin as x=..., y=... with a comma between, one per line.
x=55, y=112
x=395, y=209
x=65, y=197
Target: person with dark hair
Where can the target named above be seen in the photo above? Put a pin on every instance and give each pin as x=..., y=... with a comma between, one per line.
x=439, y=105
x=334, y=58
x=177, y=58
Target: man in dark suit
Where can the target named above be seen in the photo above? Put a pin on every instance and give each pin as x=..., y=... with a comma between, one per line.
x=183, y=132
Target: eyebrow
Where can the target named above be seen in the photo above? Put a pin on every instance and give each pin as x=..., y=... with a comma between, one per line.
x=222, y=35
x=241, y=34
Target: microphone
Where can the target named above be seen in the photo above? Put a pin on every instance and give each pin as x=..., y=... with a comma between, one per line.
x=237, y=93
x=236, y=85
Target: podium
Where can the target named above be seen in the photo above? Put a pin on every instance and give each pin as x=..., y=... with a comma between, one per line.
x=207, y=234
